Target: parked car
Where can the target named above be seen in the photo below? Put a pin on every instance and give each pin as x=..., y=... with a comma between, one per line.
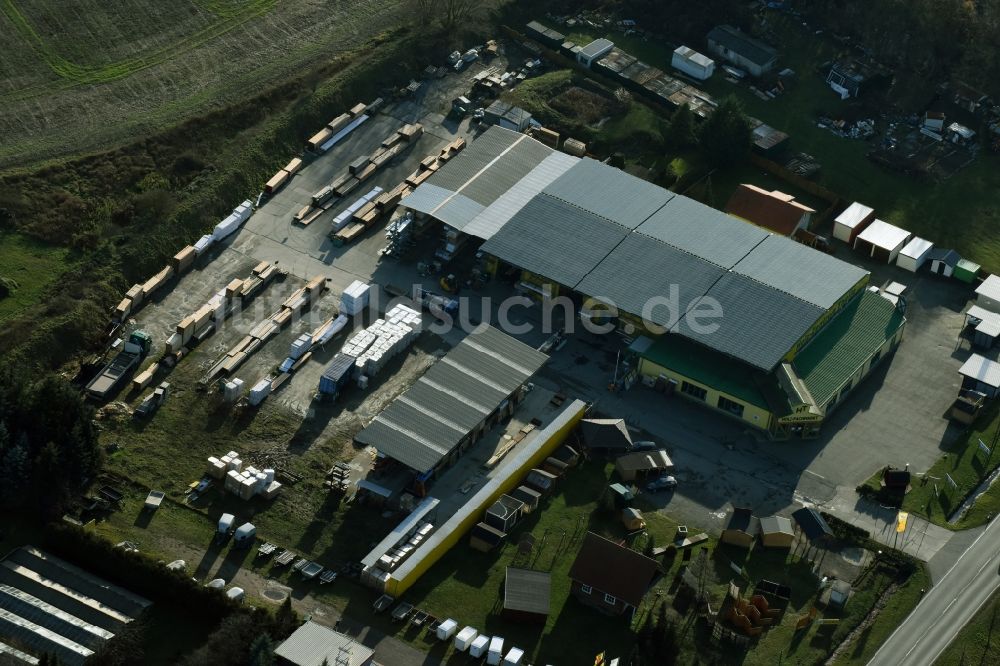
x=664, y=482
x=644, y=445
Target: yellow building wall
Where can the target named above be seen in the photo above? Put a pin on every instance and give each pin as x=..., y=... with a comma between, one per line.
x=538, y=280
x=396, y=587
x=752, y=414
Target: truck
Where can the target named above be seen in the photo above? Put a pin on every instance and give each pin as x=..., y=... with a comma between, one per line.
x=128, y=359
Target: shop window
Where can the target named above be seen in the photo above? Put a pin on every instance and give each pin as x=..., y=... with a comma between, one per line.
x=694, y=391
x=731, y=406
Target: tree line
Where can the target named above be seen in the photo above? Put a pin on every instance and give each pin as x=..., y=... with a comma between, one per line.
x=48, y=443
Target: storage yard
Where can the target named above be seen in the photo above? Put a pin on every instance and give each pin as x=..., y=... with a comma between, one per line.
x=295, y=378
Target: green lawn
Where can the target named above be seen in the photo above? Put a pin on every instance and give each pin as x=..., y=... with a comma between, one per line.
x=468, y=585
x=968, y=466
x=961, y=212
x=979, y=641
x=33, y=265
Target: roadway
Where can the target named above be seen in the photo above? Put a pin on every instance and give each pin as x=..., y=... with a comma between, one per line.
x=947, y=607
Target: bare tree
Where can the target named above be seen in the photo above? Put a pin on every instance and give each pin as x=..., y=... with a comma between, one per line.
x=449, y=14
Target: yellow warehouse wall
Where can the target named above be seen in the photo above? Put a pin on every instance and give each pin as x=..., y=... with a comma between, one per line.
x=396, y=587
x=752, y=414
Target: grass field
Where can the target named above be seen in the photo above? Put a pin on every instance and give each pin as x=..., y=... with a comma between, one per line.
x=466, y=584
x=961, y=212
x=33, y=265
x=968, y=466
x=84, y=74
x=978, y=643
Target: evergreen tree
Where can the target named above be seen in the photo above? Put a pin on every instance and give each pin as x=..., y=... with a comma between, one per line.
x=725, y=137
x=285, y=619
x=261, y=651
x=681, y=132
x=14, y=470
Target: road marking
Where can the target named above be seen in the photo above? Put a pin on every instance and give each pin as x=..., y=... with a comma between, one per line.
x=939, y=585
x=818, y=476
x=950, y=604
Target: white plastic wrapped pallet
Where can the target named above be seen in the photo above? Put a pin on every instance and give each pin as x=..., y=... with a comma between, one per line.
x=203, y=243
x=300, y=346
x=336, y=326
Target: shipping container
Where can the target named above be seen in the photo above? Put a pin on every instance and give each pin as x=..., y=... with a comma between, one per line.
x=357, y=109
x=337, y=374
x=293, y=167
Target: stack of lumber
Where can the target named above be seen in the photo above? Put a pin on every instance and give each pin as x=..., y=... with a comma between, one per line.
x=266, y=329
x=203, y=321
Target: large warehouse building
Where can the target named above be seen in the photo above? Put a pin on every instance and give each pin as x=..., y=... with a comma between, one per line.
x=472, y=388
x=798, y=328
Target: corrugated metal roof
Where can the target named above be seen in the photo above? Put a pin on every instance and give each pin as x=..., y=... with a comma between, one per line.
x=982, y=369
x=836, y=353
x=609, y=192
x=758, y=324
x=990, y=288
x=478, y=176
x=703, y=231
x=486, y=148
x=425, y=423
x=426, y=198
x=457, y=210
x=506, y=170
x=596, y=47
x=642, y=269
x=555, y=239
x=884, y=235
x=510, y=202
x=798, y=270
x=312, y=643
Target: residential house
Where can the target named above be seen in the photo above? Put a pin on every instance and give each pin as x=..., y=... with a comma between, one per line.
x=773, y=210
x=611, y=578
x=742, y=50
